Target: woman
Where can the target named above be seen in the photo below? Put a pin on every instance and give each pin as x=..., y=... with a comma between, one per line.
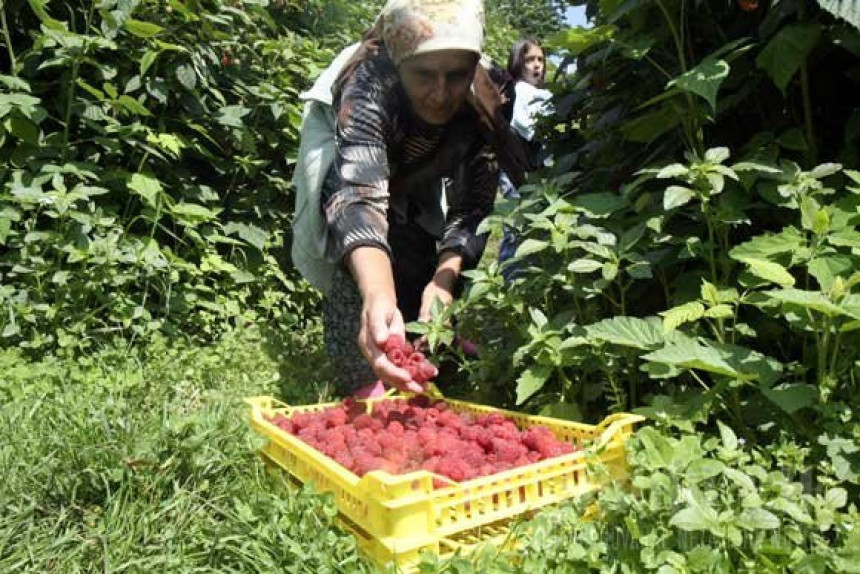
x=412, y=107
x=527, y=66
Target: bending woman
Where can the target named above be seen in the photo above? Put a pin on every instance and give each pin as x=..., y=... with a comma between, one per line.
x=412, y=107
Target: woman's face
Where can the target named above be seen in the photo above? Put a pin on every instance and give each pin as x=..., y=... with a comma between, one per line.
x=533, y=65
x=437, y=83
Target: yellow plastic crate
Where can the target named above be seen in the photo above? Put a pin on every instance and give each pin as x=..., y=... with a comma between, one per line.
x=397, y=517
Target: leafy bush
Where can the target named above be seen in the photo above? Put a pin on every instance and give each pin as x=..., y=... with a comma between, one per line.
x=145, y=151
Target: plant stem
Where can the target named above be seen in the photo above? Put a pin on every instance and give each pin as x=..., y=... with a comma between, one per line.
x=711, y=255
x=807, y=97
x=7, y=37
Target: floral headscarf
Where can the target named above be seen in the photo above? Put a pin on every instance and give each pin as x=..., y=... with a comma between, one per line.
x=410, y=27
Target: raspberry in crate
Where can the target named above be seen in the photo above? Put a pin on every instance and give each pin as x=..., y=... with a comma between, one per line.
x=401, y=436
x=388, y=464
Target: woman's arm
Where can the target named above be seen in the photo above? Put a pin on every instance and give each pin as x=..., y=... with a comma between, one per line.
x=380, y=316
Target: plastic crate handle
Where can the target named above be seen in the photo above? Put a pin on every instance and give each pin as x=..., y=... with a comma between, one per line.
x=612, y=425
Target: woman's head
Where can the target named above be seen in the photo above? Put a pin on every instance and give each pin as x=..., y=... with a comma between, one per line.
x=435, y=45
x=527, y=62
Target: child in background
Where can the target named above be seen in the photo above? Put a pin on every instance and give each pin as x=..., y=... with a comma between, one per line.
x=527, y=66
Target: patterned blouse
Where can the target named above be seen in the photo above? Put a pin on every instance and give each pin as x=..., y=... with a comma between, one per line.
x=389, y=166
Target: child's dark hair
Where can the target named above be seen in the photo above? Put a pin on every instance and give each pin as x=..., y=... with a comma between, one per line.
x=517, y=57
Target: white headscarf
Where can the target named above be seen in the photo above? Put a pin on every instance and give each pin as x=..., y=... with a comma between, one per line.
x=411, y=27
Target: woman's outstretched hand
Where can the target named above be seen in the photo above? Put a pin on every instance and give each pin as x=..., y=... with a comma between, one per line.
x=381, y=318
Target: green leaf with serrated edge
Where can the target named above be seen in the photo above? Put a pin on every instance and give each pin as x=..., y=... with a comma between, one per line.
x=742, y=480
x=792, y=398
x=825, y=170
x=564, y=411
x=723, y=359
x=598, y=204
x=769, y=245
x=538, y=317
x=250, y=233
x=142, y=29
x=813, y=300
x=686, y=313
x=575, y=40
x=717, y=155
x=758, y=519
x=644, y=334
x=730, y=440
x=146, y=187
x=836, y=497
x=676, y=196
x=769, y=271
x=530, y=247
x=531, y=381
x=703, y=469
x=147, y=61
x=704, y=80
x=673, y=170
x=194, y=211
x=691, y=519
x=787, y=50
x=721, y=311
x=584, y=266
x=826, y=269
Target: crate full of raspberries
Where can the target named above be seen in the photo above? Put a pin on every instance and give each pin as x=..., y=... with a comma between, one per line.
x=428, y=473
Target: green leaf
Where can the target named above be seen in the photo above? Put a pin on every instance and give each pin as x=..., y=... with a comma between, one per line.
x=814, y=300
x=741, y=479
x=836, y=497
x=827, y=269
x=188, y=78
x=584, y=266
x=133, y=106
x=703, y=469
x=142, y=29
x=146, y=187
x=758, y=519
x=686, y=313
x=531, y=381
x=730, y=440
x=792, y=398
x=530, y=247
x=721, y=311
x=564, y=411
x=576, y=40
x=717, y=154
x=675, y=170
x=825, y=170
x=148, y=60
x=704, y=80
x=769, y=271
x=648, y=127
x=767, y=246
x=598, y=204
x=728, y=360
x=643, y=334
x=690, y=519
x=676, y=196
x=787, y=50
x=250, y=233
x=23, y=129
x=194, y=211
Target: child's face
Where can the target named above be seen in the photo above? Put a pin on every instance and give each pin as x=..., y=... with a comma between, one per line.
x=437, y=83
x=533, y=65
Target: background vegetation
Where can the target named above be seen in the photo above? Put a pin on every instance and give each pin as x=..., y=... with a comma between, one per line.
x=690, y=254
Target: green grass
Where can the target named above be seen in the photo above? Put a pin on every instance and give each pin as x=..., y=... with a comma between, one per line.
x=144, y=462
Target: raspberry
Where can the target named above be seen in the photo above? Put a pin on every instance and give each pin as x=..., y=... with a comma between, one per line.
x=402, y=436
